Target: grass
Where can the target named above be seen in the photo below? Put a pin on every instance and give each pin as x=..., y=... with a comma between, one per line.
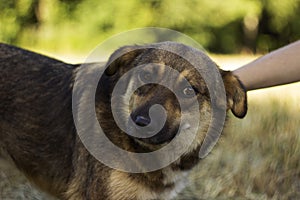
x=14, y=186
x=258, y=157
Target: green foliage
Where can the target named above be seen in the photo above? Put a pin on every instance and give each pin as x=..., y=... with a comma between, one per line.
x=220, y=26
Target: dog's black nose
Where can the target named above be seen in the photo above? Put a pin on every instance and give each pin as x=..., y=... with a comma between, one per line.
x=142, y=121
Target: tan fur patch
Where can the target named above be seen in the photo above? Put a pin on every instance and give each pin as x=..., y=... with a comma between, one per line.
x=122, y=187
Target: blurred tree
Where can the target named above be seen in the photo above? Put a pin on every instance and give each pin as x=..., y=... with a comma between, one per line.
x=279, y=24
x=230, y=26
x=17, y=15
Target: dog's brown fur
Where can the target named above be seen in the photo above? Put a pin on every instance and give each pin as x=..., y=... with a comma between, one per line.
x=38, y=135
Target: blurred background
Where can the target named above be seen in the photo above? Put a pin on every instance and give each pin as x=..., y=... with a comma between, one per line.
x=258, y=157
x=76, y=26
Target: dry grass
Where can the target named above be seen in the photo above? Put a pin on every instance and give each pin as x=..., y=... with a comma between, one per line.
x=14, y=186
x=259, y=156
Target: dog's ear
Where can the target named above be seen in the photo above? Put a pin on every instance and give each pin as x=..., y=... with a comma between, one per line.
x=236, y=94
x=122, y=58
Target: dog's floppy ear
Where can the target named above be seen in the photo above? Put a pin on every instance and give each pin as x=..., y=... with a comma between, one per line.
x=236, y=94
x=122, y=57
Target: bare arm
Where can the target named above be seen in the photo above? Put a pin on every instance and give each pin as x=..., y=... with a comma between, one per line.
x=279, y=67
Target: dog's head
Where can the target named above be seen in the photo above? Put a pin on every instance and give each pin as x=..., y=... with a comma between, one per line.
x=149, y=80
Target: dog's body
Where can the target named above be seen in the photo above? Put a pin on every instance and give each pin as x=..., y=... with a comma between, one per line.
x=37, y=131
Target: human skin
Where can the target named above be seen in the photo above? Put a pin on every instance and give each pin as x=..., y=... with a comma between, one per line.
x=279, y=67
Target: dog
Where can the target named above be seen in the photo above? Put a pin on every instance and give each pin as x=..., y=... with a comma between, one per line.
x=38, y=134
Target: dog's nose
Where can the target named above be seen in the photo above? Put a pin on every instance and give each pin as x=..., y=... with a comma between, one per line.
x=142, y=121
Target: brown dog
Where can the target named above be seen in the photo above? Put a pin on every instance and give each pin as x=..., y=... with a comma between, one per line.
x=37, y=131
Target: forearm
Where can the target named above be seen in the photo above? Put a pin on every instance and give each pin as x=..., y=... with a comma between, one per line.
x=279, y=67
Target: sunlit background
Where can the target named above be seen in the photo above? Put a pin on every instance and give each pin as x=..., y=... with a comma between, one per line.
x=76, y=26
x=259, y=156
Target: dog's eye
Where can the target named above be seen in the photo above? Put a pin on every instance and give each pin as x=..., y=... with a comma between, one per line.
x=146, y=76
x=189, y=91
